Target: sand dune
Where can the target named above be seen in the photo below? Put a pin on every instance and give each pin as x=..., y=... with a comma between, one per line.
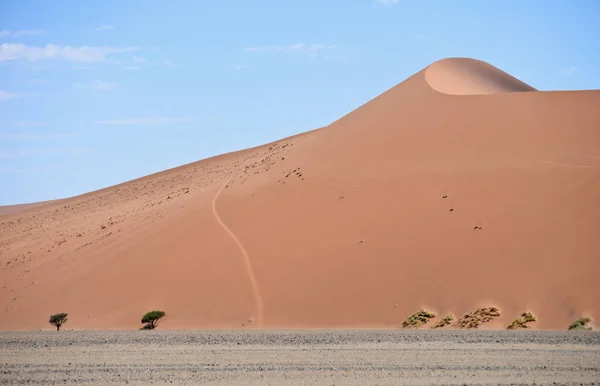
x=8, y=209
x=415, y=199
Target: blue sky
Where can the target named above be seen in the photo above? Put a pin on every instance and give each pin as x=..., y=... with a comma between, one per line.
x=97, y=93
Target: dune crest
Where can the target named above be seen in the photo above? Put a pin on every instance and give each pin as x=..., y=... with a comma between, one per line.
x=462, y=76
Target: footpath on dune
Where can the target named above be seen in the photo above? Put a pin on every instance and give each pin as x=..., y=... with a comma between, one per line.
x=251, y=277
x=461, y=191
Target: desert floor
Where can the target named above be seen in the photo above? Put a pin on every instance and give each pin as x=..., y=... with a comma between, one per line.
x=300, y=357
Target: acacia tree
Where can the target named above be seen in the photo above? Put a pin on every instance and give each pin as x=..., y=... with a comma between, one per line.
x=151, y=318
x=58, y=320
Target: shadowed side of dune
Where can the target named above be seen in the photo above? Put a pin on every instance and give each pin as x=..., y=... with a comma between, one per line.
x=462, y=76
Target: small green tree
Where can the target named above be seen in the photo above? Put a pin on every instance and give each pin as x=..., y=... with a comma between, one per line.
x=58, y=320
x=151, y=318
x=581, y=324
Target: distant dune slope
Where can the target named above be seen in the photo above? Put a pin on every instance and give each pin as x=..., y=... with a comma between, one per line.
x=415, y=199
x=9, y=209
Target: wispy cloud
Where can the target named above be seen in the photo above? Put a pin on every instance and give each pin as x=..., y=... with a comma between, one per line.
x=568, y=70
x=169, y=63
x=139, y=61
x=97, y=85
x=22, y=32
x=312, y=50
x=5, y=95
x=23, y=153
x=84, y=54
x=240, y=67
x=29, y=136
x=29, y=170
x=103, y=28
x=131, y=68
x=386, y=2
x=145, y=121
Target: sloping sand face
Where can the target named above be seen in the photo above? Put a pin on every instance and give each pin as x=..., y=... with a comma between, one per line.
x=463, y=76
x=416, y=199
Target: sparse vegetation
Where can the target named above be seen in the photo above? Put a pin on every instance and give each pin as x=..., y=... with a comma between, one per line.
x=58, y=320
x=478, y=317
x=417, y=319
x=446, y=321
x=581, y=324
x=151, y=318
x=521, y=321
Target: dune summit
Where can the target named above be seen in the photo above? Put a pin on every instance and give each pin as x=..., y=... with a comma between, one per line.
x=420, y=199
x=463, y=76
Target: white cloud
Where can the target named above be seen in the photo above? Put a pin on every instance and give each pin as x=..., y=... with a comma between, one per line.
x=568, y=70
x=97, y=85
x=83, y=54
x=29, y=170
x=145, y=121
x=312, y=50
x=5, y=95
x=40, y=152
x=104, y=28
x=21, y=32
x=139, y=61
x=28, y=136
x=386, y=2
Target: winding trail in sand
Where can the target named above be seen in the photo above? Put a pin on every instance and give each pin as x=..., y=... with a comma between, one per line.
x=249, y=270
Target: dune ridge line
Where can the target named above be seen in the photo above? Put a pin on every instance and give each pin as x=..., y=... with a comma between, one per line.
x=249, y=270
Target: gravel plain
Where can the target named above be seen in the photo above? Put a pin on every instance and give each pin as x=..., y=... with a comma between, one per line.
x=300, y=357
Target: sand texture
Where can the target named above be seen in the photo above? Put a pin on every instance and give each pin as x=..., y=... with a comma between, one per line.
x=459, y=188
x=301, y=358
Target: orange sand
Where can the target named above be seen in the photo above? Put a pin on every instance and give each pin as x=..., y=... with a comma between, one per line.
x=344, y=226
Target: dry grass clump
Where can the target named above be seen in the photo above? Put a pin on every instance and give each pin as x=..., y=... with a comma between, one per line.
x=478, y=317
x=446, y=321
x=581, y=324
x=417, y=319
x=521, y=321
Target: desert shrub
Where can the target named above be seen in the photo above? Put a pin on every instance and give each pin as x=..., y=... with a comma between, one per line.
x=151, y=318
x=58, y=320
x=521, y=321
x=581, y=324
x=478, y=317
x=417, y=319
x=446, y=321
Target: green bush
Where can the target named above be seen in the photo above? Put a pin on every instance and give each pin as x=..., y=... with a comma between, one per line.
x=581, y=324
x=151, y=318
x=446, y=321
x=58, y=320
x=417, y=319
x=521, y=321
